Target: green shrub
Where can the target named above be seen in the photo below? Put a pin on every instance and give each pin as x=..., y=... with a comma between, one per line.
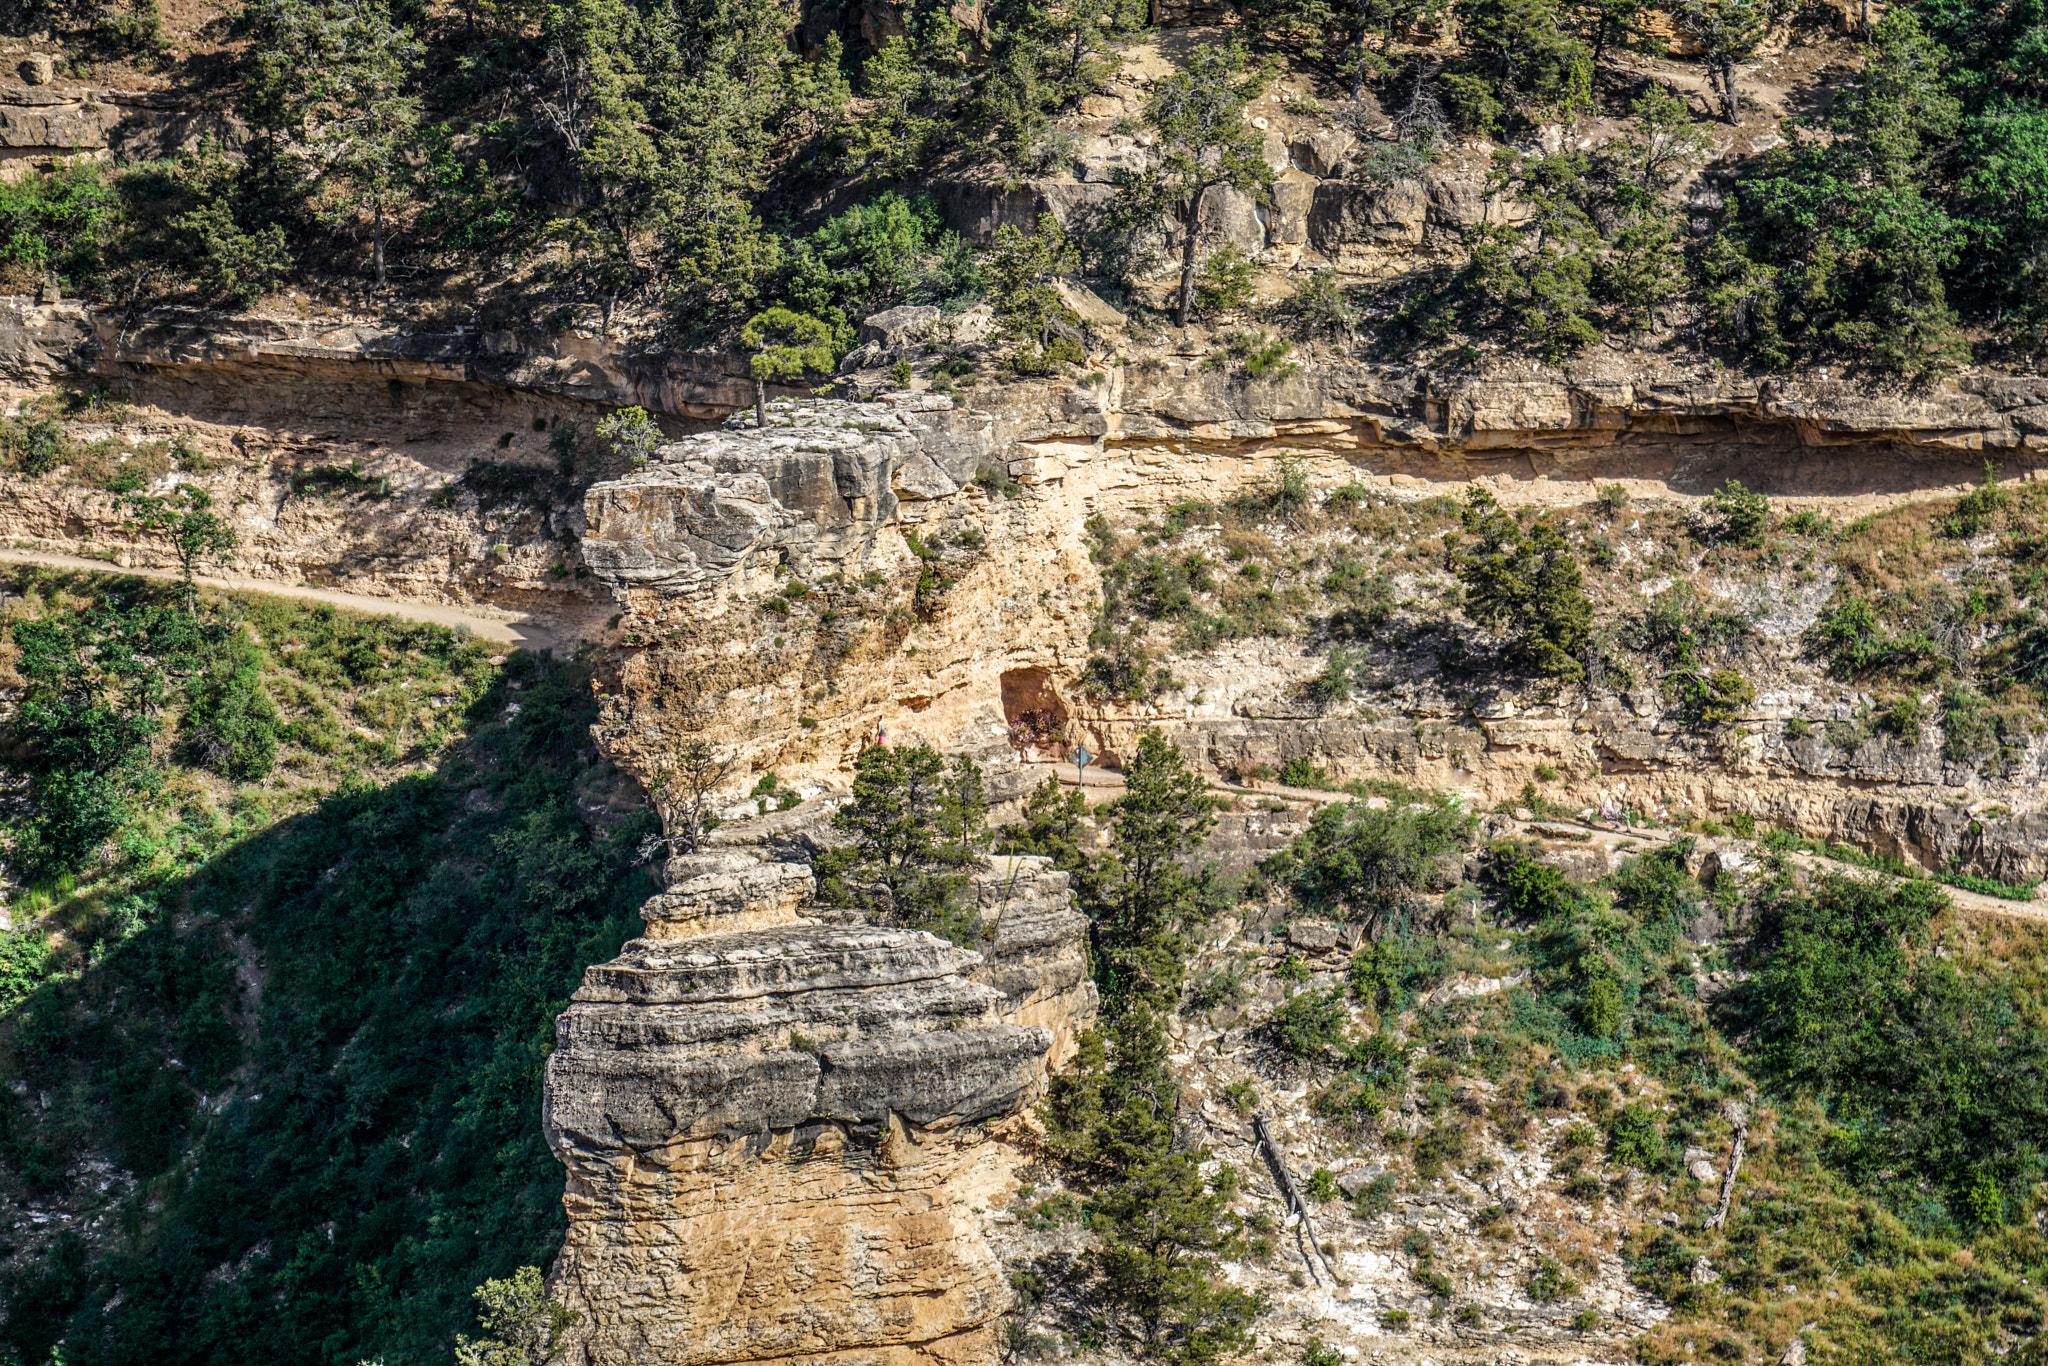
x=1219, y=987
x=1988, y=886
x=1374, y=1198
x=1312, y=1024
x=25, y=960
x=1904, y=716
x=1321, y=305
x=60, y=222
x=1634, y=1138
x=1741, y=517
x=1301, y=772
x=1903, y=1042
x=1713, y=699
x=1258, y=355
x=36, y=447
x=1526, y=584
x=1224, y=284
x=1978, y=509
x=1370, y=866
x=1335, y=683
x=231, y=726
x=1437, y=1148
x=322, y=480
x=1549, y=1283
x=1850, y=636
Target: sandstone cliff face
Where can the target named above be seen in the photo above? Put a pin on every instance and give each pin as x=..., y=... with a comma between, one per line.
x=700, y=545
x=777, y=1130
x=697, y=547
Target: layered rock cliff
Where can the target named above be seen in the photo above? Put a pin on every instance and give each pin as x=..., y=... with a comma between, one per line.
x=778, y=1131
x=792, y=589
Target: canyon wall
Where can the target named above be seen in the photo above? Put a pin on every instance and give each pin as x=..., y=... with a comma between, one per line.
x=379, y=457
x=849, y=501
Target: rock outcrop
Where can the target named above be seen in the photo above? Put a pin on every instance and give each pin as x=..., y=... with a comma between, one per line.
x=190, y=356
x=702, y=545
x=777, y=1130
x=1033, y=946
x=731, y=510
x=43, y=123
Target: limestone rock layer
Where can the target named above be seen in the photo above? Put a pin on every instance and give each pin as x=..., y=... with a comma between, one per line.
x=775, y=1130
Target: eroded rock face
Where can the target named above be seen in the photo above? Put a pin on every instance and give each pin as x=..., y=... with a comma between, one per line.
x=735, y=508
x=1141, y=437
x=776, y=1129
x=1033, y=947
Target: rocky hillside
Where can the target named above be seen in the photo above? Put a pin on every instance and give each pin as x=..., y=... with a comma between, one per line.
x=1555, y=489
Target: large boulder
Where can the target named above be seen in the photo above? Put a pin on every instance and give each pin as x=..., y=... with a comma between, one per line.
x=898, y=326
x=1324, y=153
x=1230, y=215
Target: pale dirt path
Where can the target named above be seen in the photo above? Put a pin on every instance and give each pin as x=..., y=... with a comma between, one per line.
x=1641, y=839
x=492, y=624
x=1101, y=786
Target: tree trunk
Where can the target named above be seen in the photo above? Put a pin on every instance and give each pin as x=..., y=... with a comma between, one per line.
x=760, y=402
x=1358, y=52
x=1729, y=98
x=1189, y=234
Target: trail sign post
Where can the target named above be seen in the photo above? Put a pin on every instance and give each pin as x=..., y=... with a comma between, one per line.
x=1081, y=758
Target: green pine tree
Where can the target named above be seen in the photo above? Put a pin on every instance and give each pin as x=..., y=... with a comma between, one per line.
x=1029, y=311
x=1150, y=902
x=1205, y=144
x=1525, y=584
x=1152, y=1280
x=914, y=834
x=1535, y=276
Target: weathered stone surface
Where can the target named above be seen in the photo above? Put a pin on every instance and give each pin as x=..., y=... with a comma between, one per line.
x=1293, y=201
x=682, y=530
x=898, y=325
x=768, y=1121
x=1312, y=936
x=1230, y=215
x=1357, y=1179
x=1087, y=303
x=719, y=892
x=1034, y=943
x=60, y=128
x=1344, y=213
x=1101, y=158
x=1324, y=152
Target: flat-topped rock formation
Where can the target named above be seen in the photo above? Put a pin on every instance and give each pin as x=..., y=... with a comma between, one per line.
x=776, y=1129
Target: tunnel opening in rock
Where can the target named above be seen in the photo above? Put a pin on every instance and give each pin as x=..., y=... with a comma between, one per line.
x=1036, y=716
